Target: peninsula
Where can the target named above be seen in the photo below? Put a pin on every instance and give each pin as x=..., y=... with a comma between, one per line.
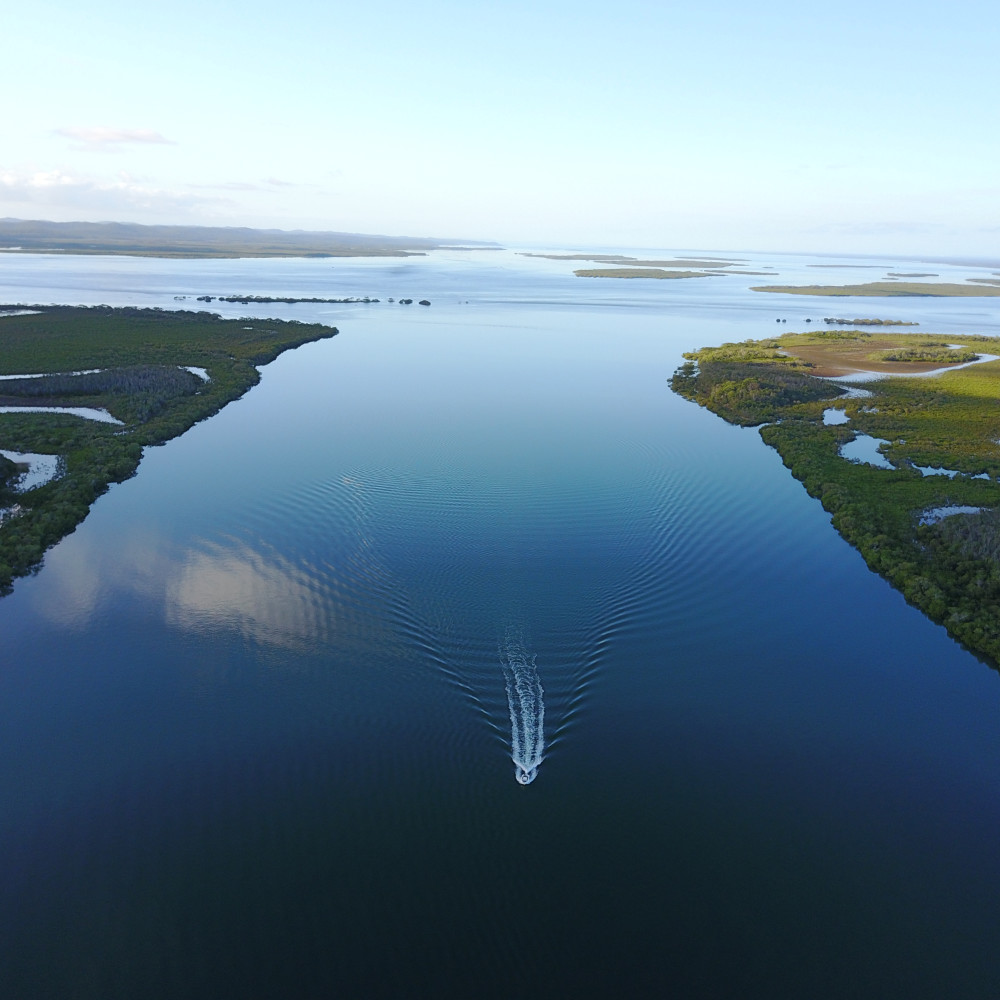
x=152, y=373
x=924, y=510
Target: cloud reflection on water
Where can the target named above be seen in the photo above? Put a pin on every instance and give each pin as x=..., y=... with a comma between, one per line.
x=212, y=585
x=264, y=596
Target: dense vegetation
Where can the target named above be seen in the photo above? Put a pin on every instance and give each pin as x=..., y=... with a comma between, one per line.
x=947, y=569
x=748, y=393
x=940, y=354
x=287, y=300
x=8, y=473
x=139, y=354
x=139, y=391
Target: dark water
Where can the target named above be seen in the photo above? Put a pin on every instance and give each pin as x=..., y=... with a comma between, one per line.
x=257, y=714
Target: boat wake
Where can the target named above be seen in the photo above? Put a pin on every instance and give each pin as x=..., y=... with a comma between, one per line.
x=527, y=708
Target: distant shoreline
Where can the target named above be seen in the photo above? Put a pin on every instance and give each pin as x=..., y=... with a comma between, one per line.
x=18, y=236
x=201, y=254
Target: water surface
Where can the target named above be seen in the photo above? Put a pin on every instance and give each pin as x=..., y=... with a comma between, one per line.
x=461, y=658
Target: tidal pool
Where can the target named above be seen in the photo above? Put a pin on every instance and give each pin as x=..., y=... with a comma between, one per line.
x=936, y=514
x=865, y=448
x=41, y=468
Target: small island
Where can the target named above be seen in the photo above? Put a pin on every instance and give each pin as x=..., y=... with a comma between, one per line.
x=636, y=267
x=926, y=514
x=834, y=321
x=616, y=258
x=245, y=300
x=891, y=289
x=637, y=272
x=152, y=373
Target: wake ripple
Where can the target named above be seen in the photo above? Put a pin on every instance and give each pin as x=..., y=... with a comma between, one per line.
x=423, y=564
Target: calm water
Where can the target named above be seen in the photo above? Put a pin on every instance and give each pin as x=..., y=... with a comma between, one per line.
x=258, y=714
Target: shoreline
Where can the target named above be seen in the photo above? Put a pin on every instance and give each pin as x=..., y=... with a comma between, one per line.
x=154, y=373
x=938, y=431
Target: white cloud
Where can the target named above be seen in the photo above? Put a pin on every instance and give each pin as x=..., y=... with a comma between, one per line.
x=267, y=185
x=120, y=197
x=876, y=228
x=226, y=186
x=102, y=139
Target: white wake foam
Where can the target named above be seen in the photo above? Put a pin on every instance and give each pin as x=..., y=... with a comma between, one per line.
x=527, y=708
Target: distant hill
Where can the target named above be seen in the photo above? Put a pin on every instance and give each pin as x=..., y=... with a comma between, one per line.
x=130, y=239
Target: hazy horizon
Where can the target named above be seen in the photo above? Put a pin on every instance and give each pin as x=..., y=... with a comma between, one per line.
x=861, y=129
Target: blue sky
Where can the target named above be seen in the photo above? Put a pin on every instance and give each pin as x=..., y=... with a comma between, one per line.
x=858, y=127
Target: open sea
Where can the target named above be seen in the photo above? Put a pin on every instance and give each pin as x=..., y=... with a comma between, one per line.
x=461, y=658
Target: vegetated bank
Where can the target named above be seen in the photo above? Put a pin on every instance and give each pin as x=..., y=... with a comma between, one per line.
x=131, y=362
x=951, y=421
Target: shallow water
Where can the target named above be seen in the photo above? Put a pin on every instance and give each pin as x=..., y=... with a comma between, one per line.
x=84, y=412
x=936, y=514
x=259, y=712
x=865, y=448
x=41, y=468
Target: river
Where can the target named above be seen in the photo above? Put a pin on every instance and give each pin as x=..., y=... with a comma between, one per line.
x=461, y=658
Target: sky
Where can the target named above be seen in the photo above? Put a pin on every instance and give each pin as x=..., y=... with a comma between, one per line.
x=855, y=127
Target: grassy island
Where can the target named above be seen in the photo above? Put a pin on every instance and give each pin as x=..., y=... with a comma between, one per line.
x=134, y=364
x=617, y=258
x=945, y=565
x=889, y=289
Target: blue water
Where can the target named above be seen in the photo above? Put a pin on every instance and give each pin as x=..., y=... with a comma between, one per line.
x=461, y=658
